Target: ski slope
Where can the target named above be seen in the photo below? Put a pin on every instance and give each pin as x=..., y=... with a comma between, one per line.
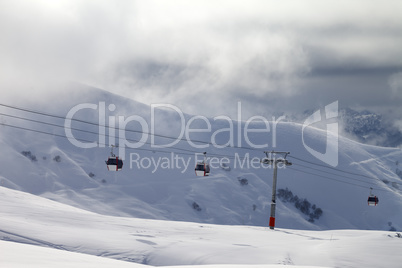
x=61, y=230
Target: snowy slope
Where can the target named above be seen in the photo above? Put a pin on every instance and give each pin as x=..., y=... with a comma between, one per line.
x=64, y=229
x=41, y=257
x=170, y=194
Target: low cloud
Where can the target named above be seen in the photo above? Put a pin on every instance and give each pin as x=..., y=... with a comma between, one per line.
x=395, y=82
x=205, y=57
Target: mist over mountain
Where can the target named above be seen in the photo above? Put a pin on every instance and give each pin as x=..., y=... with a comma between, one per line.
x=371, y=128
x=364, y=126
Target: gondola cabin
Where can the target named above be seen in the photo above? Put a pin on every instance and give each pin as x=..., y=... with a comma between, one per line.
x=202, y=169
x=372, y=201
x=114, y=164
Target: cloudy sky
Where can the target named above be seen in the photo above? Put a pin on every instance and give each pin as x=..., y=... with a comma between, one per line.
x=205, y=56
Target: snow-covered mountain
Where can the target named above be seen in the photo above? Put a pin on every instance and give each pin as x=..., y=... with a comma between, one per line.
x=364, y=126
x=159, y=183
x=58, y=194
x=371, y=128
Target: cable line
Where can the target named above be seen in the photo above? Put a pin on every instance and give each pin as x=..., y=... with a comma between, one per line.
x=372, y=183
x=329, y=178
x=128, y=130
x=183, y=151
x=337, y=169
x=84, y=140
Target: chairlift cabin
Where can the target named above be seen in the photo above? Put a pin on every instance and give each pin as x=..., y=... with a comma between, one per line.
x=202, y=168
x=113, y=163
x=372, y=199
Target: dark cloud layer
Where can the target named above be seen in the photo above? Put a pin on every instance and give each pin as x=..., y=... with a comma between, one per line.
x=204, y=57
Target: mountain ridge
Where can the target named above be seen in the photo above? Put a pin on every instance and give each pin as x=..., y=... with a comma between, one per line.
x=174, y=193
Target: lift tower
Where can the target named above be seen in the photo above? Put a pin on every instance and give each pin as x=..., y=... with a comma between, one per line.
x=272, y=160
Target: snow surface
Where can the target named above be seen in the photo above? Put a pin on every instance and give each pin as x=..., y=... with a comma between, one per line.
x=23, y=255
x=147, y=215
x=63, y=229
